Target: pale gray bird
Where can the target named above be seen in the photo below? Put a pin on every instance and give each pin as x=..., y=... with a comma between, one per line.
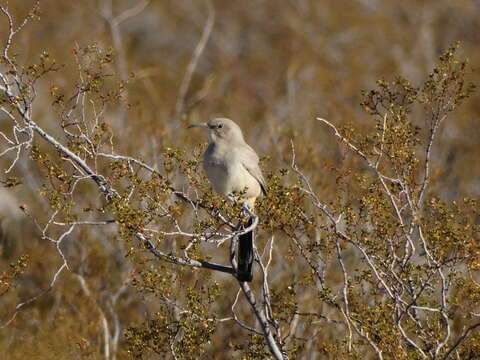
x=232, y=167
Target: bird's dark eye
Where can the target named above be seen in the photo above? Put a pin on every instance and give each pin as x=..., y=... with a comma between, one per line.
x=219, y=126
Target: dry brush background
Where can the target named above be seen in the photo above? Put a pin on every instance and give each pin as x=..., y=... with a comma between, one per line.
x=273, y=67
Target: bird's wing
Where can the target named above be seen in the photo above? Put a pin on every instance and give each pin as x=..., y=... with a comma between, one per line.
x=250, y=162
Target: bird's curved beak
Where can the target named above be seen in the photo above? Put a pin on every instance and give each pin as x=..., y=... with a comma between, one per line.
x=204, y=125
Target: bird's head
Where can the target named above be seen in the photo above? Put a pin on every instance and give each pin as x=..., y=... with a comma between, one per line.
x=221, y=129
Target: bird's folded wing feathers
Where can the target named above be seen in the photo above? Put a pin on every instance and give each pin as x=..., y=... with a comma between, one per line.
x=250, y=162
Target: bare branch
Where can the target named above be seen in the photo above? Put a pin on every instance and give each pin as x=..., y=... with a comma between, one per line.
x=460, y=339
x=187, y=78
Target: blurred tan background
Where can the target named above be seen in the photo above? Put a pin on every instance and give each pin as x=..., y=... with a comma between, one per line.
x=270, y=65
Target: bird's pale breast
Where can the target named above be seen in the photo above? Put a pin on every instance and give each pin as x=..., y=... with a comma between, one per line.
x=227, y=174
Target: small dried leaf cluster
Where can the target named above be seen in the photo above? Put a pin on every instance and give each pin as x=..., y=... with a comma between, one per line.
x=7, y=278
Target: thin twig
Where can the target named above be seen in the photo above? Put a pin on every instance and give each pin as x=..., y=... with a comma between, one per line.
x=197, y=53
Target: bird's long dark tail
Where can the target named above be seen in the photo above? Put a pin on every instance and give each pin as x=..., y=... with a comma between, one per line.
x=245, y=255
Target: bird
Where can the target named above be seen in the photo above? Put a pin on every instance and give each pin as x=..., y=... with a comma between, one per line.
x=232, y=167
